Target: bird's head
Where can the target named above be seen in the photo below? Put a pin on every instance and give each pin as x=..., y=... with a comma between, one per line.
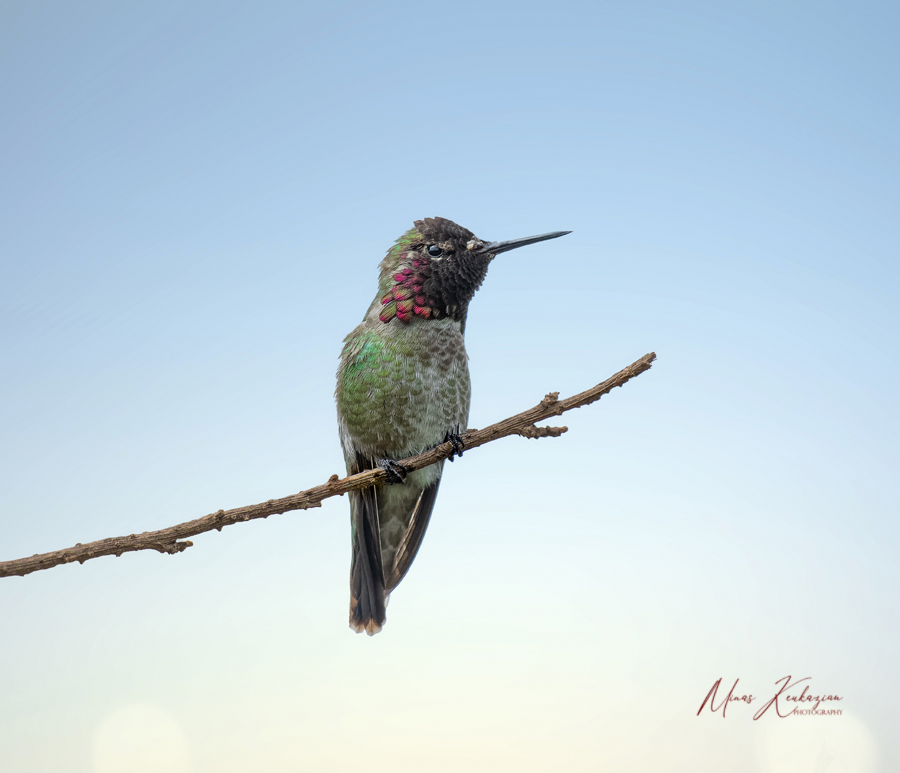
x=434, y=269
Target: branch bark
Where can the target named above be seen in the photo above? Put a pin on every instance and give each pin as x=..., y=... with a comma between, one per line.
x=174, y=539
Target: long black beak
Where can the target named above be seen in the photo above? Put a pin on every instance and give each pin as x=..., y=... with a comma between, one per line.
x=495, y=248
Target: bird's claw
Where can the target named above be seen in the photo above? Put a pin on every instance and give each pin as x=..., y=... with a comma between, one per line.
x=396, y=472
x=456, y=441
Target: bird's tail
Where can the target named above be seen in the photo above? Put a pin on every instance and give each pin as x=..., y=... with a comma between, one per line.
x=367, y=596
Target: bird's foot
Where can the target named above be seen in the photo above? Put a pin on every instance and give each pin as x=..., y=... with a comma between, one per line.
x=396, y=472
x=456, y=441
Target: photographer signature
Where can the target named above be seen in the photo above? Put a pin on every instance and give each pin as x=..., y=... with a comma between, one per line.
x=793, y=703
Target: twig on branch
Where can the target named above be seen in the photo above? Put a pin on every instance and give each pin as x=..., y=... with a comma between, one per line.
x=173, y=539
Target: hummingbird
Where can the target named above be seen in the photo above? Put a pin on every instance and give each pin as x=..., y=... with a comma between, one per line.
x=403, y=388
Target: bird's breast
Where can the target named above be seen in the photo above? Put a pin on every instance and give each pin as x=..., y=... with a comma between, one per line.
x=402, y=386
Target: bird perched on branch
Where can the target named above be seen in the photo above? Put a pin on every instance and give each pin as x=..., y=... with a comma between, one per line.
x=403, y=388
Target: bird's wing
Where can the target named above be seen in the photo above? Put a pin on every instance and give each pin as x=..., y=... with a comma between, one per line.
x=415, y=531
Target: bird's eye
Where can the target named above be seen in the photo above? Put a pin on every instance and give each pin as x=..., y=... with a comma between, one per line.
x=435, y=251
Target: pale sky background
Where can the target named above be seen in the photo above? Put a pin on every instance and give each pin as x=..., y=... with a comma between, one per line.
x=193, y=202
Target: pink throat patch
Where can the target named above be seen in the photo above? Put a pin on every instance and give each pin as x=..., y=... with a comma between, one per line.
x=405, y=300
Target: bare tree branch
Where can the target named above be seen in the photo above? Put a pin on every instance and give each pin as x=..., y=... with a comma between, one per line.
x=173, y=539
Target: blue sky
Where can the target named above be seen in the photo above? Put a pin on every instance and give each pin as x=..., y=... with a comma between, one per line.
x=193, y=201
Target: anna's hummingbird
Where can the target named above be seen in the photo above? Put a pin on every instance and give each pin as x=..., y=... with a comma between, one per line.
x=403, y=388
